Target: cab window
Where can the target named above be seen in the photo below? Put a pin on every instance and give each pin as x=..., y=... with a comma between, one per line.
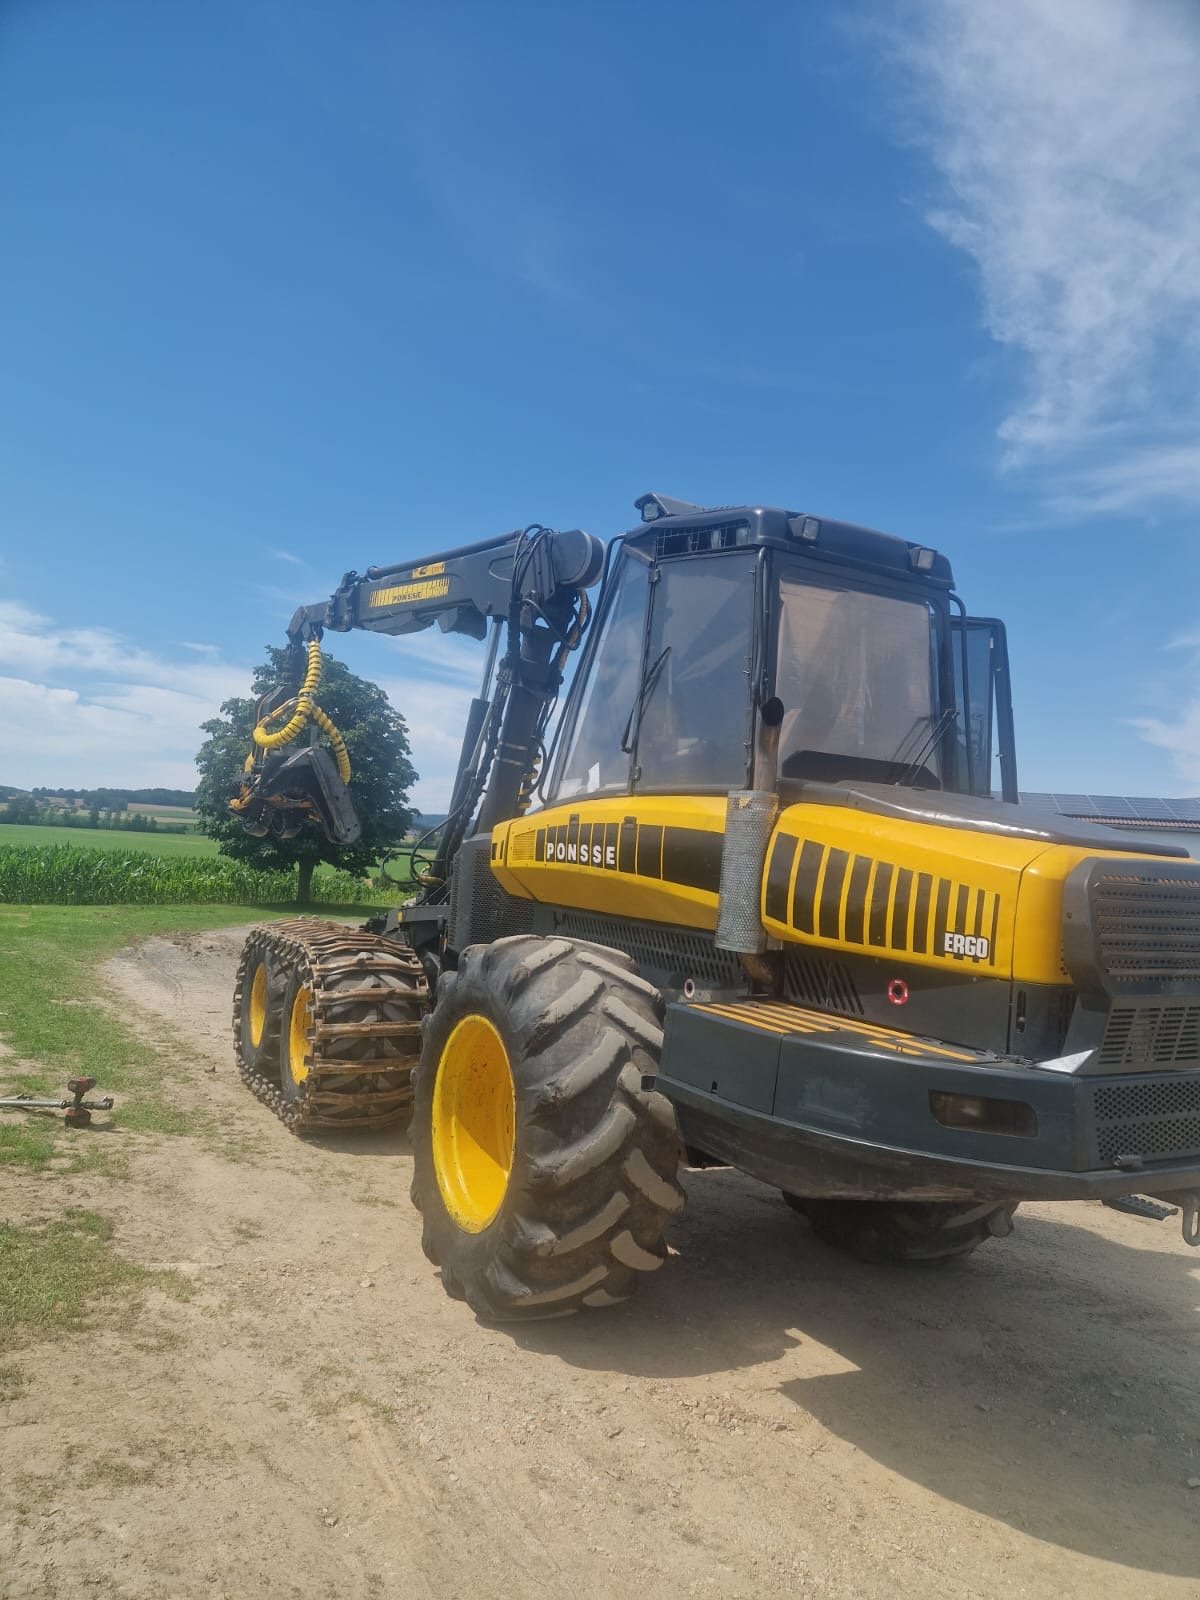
x=693, y=720
x=594, y=762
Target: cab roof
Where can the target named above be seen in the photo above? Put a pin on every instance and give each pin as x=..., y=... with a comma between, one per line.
x=675, y=528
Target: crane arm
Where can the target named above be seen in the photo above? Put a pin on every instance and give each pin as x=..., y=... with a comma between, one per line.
x=459, y=589
x=530, y=584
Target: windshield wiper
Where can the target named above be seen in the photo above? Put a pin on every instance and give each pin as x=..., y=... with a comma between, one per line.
x=634, y=722
x=946, y=720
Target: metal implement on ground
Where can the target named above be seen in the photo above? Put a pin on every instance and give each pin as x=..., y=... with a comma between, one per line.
x=78, y=1110
x=750, y=900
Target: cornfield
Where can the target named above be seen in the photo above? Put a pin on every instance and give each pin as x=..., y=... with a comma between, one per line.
x=62, y=874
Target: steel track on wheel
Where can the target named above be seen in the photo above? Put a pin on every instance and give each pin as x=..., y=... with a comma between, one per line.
x=369, y=995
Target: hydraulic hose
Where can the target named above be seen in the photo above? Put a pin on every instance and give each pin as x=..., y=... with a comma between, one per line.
x=303, y=704
x=340, y=754
x=303, y=709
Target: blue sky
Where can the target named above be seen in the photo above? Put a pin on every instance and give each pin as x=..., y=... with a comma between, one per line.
x=287, y=289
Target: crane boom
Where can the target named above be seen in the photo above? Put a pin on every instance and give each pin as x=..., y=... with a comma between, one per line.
x=530, y=585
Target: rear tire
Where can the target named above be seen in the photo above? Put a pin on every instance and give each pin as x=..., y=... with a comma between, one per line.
x=259, y=988
x=904, y=1232
x=294, y=1046
x=590, y=1156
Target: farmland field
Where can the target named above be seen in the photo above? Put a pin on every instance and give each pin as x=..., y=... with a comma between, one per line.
x=59, y=875
x=167, y=845
x=159, y=844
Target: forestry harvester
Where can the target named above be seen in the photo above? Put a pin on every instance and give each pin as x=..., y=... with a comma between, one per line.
x=753, y=903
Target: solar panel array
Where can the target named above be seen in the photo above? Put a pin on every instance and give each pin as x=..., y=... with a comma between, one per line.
x=1119, y=808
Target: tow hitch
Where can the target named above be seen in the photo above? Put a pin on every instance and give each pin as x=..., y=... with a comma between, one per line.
x=1188, y=1210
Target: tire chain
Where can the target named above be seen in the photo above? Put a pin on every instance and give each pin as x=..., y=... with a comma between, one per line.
x=340, y=1091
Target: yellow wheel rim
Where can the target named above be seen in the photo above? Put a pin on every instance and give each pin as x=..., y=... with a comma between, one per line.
x=474, y=1123
x=299, y=1023
x=258, y=1004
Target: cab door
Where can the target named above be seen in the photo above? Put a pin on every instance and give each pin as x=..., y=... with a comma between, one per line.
x=984, y=702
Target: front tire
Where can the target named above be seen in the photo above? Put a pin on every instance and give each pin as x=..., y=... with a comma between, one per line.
x=904, y=1232
x=544, y=1173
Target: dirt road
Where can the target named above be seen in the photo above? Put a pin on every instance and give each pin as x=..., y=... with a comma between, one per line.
x=766, y=1419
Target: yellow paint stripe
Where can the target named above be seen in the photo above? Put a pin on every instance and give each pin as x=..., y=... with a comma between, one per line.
x=775, y=1018
x=785, y=1013
x=749, y=1022
x=754, y=1017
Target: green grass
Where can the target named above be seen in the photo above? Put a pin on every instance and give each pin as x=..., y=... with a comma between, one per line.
x=56, y=1276
x=52, y=1013
x=159, y=844
x=163, y=813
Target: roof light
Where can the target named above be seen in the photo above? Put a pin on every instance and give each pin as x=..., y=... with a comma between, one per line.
x=806, y=528
x=653, y=506
x=921, y=557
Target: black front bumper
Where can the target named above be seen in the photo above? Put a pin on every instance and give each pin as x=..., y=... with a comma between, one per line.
x=838, y=1109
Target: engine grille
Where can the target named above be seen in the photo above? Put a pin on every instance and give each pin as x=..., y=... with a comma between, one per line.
x=826, y=985
x=667, y=954
x=1147, y=926
x=1162, y=1034
x=1157, y=1118
x=480, y=910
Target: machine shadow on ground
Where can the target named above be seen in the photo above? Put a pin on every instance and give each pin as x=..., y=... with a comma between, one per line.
x=1002, y=1383
x=391, y=1141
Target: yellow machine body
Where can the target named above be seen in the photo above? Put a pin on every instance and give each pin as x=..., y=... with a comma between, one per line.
x=839, y=879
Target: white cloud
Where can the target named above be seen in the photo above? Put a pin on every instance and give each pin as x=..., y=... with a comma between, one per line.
x=286, y=555
x=1180, y=738
x=58, y=736
x=1179, y=732
x=440, y=675
x=84, y=707
x=1068, y=137
x=33, y=644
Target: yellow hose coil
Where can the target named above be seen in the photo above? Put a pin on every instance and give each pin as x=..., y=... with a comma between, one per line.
x=303, y=704
x=300, y=711
x=340, y=754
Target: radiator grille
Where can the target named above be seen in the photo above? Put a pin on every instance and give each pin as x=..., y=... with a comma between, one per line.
x=480, y=910
x=1161, y=1035
x=667, y=952
x=1148, y=926
x=826, y=985
x=1157, y=1118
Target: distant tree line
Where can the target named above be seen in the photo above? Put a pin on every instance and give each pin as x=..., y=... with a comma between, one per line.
x=115, y=799
x=23, y=808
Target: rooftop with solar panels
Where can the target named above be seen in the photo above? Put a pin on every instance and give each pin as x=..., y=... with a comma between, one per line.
x=1119, y=810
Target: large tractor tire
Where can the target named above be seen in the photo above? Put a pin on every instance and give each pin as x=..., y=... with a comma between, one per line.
x=258, y=1006
x=898, y=1231
x=341, y=1030
x=544, y=1172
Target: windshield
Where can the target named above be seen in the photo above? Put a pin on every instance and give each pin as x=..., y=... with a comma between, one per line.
x=856, y=673
x=691, y=722
x=596, y=757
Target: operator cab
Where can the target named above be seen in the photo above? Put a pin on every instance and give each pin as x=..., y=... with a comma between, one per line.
x=757, y=647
